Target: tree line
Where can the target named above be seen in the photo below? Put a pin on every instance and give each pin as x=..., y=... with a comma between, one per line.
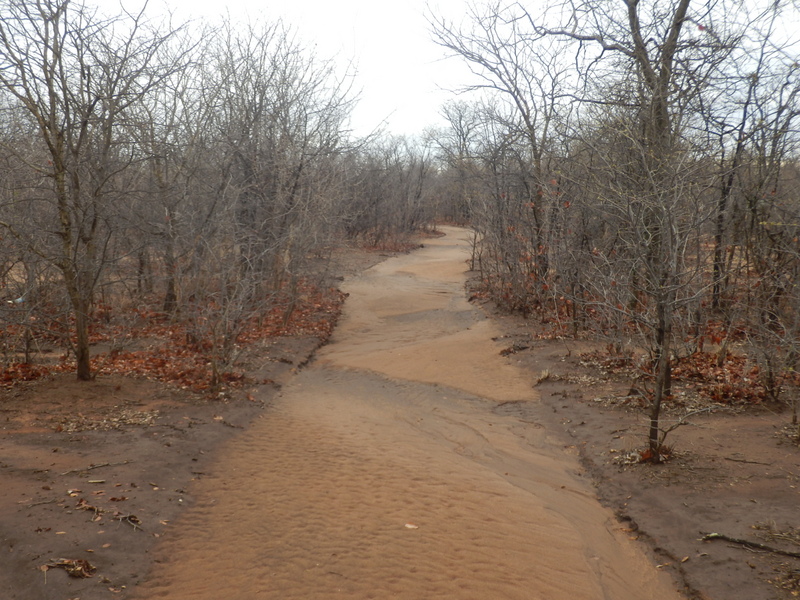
x=631, y=168
x=196, y=171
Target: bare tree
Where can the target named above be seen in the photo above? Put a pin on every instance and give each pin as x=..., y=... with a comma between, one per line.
x=653, y=45
x=633, y=185
x=77, y=76
x=389, y=192
x=530, y=76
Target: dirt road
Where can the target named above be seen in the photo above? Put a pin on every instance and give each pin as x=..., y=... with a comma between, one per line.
x=406, y=462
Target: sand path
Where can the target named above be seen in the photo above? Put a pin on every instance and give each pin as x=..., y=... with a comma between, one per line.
x=406, y=462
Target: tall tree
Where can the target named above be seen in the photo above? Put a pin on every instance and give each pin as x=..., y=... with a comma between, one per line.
x=630, y=107
x=77, y=76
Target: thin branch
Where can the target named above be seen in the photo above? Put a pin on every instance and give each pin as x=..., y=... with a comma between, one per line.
x=748, y=544
x=98, y=466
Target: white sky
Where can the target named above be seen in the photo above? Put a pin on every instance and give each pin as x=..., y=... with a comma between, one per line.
x=400, y=71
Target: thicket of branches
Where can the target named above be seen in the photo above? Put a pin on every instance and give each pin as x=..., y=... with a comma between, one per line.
x=629, y=169
x=632, y=168
x=193, y=176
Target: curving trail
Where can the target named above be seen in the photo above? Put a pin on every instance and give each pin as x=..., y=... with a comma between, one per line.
x=404, y=463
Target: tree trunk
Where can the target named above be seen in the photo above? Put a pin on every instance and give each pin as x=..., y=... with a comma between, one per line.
x=144, y=279
x=663, y=371
x=82, y=354
x=171, y=293
x=80, y=307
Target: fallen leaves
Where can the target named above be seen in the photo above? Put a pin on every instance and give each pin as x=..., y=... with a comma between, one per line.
x=513, y=349
x=737, y=381
x=16, y=372
x=75, y=567
x=84, y=505
x=113, y=419
x=187, y=352
x=626, y=458
x=697, y=379
x=131, y=520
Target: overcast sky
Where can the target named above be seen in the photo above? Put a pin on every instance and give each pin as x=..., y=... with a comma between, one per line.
x=400, y=71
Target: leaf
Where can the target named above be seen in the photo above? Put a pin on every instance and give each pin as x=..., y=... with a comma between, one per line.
x=75, y=567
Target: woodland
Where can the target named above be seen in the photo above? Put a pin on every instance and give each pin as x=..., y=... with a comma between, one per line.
x=629, y=170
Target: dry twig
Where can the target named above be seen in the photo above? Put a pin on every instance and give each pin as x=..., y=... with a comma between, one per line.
x=749, y=544
x=92, y=467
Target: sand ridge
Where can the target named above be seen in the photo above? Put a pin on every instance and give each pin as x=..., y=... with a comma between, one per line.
x=395, y=466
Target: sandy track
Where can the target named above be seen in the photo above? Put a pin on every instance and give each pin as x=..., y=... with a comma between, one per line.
x=405, y=463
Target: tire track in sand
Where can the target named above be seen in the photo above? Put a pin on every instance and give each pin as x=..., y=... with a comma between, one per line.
x=384, y=472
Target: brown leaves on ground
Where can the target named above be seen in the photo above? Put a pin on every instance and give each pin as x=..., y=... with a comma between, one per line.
x=736, y=381
x=183, y=350
x=75, y=567
x=699, y=376
x=16, y=372
x=106, y=419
